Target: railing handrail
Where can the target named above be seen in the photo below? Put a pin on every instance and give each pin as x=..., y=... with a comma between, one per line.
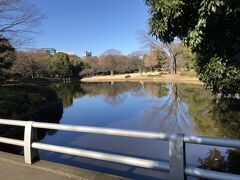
x=226, y=142
x=102, y=130
x=176, y=167
x=13, y=122
x=144, y=163
x=214, y=141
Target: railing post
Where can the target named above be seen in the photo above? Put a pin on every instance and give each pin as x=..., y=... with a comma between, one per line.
x=177, y=157
x=29, y=136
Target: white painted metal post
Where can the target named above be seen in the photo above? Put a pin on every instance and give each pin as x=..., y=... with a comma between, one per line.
x=29, y=136
x=177, y=157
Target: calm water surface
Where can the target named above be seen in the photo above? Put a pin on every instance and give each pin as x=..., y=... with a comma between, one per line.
x=160, y=107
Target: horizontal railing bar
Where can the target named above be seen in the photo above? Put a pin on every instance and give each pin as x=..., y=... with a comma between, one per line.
x=104, y=131
x=11, y=141
x=149, y=164
x=231, y=143
x=203, y=173
x=12, y=122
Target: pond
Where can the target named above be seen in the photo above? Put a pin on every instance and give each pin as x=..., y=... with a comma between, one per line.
x=147, y=106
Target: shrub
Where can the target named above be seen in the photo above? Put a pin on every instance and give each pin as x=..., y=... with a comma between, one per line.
x=221, y=77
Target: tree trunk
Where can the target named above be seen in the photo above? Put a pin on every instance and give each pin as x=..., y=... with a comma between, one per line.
x=111, y=72
x=174, y=65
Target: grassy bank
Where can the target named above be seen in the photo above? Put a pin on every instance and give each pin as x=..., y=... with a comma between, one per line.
x=151, y=76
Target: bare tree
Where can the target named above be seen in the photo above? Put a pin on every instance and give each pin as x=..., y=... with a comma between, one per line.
x=31, y=64
x=109, y=62
x=113, y=62
x=136, y=60
x=113, y=52
x=17, y=20
x=138, y=54
x=150, y=60
x=172, y=50
x=94, y=64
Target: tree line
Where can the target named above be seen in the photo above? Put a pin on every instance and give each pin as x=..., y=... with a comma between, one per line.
x=34, y=64
x=114, y=62
x=37, y=64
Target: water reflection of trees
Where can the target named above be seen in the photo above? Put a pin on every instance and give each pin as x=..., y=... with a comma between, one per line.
x=67, y=92
x=171, y=114
x=226, y=114
x=211, y=118
x=155, y=89
x=114, y=93
x=182, y=108
x=139, y=90
x=186, y=104
x=27, y=103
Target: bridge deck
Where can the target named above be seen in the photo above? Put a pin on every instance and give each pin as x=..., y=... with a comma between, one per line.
x=12, y=167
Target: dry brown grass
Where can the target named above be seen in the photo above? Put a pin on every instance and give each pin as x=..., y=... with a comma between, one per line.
x=150, y=76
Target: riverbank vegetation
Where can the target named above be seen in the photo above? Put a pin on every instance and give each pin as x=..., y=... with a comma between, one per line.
x=211, y=30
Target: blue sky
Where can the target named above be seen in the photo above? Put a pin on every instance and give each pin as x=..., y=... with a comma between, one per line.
x=93, y=25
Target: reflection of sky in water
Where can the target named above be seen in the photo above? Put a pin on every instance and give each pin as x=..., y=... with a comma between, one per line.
x=149, y=108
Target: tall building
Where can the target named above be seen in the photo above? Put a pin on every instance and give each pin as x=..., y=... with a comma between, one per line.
x=50, y=51
x=86, y=54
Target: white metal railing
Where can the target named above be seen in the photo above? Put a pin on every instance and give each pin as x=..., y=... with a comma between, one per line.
x=176, y=166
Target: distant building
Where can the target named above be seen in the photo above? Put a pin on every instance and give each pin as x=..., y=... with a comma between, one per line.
x=86, y=54
x=50, y=51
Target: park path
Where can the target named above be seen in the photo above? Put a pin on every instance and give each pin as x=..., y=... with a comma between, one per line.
x=12, y=167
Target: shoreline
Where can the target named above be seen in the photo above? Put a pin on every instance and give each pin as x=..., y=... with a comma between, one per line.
x=151, y=77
